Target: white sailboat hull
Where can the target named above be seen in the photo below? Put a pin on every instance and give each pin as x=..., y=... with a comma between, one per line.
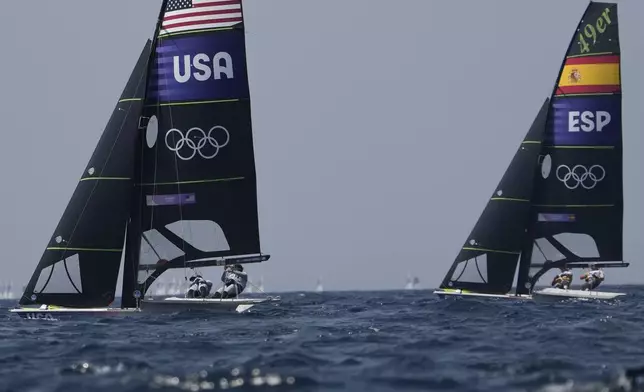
x=166, y=305
x=463, y=293
x=174, y=304
x=57, y=312
x=561, y=293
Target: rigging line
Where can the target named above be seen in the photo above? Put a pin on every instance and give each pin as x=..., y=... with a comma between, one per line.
x=145, y=238
x=134, y=271
x=176, y=168
x=158, y=104
x=260, y=290
x=129, y=109
x=139, y=161
x=154, y=188
x=540, y=250
x=180, y=206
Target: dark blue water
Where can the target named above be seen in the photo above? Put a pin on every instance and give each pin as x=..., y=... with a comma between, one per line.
x=343, y=341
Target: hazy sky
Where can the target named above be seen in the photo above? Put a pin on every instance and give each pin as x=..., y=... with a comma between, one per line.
x=381, y=127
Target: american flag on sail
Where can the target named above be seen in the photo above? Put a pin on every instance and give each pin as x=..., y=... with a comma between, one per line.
x=188, y=15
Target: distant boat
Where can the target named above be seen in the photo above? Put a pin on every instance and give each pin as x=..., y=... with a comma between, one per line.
x=172, y=180
x=412, y=283
x=6, y=290
x=560, y=202
x=318, y=287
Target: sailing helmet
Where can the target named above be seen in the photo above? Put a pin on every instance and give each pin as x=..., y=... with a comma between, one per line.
x=238, y=267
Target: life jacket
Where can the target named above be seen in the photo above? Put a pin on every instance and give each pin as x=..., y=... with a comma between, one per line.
x=237, y=277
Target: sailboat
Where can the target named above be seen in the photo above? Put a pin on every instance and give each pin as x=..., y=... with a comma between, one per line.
x=412, y=283
x=560, y=201
x=172, y=181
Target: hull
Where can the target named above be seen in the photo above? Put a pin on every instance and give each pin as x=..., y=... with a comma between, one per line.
x=551, y=292
x=447, y=293
x=47, y=312
x=177, y=304
x=166, y=305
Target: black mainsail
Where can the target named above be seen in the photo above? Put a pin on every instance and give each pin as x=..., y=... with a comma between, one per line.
x=173, y=176
x=578, y=204
x=561, y=200
x=80, y=265
x=196, y=197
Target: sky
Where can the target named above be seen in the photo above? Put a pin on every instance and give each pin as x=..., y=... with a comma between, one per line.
x=380, y=131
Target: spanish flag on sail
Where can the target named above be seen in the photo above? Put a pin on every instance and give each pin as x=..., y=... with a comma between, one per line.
x=590, y=75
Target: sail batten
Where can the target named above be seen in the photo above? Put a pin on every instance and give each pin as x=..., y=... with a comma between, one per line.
x=76, y=249
x=204, y=181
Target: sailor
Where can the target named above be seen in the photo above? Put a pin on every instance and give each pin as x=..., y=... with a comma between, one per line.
x=563, y=279
x=199, y=288
x=234, y=279
x=592, y=278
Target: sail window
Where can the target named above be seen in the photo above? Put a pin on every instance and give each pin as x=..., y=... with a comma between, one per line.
x=544, y=251
x=155, y=247
x=546, y=166
x=152, y=131
x=472, y=270
x=205, y=235
x=62, y=277
x=583, y=245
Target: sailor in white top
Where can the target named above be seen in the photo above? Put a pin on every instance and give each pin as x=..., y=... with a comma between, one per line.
x=593, y=278
x=563, y=280
x=199, y=288
x=234, y=279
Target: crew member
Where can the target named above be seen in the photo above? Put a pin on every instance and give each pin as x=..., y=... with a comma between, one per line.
x=593, y=278
x=234, y=279
x=199, y=288
x=563, y=279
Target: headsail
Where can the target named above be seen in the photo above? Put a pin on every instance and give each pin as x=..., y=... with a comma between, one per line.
x=197, y=194
x=577, y=201
x=487, y=261
x=79, y=267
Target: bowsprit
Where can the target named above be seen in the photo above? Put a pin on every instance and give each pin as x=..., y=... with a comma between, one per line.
x=205, y=67
x=196, y=140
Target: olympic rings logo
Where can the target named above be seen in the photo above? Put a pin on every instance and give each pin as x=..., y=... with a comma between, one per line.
x=580, y=175
x=196, y=141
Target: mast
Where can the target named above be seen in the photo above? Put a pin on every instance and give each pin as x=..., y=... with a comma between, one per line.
x=577, y=202
x=133, y=238
x=528, y=243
